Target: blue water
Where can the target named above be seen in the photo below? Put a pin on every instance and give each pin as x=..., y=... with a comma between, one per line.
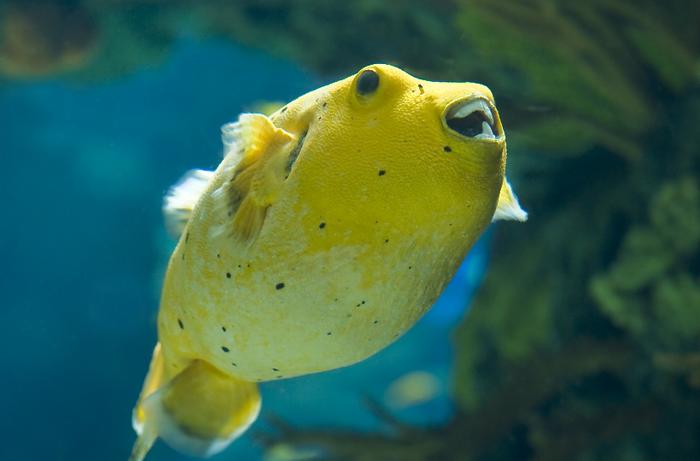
x=86, y=165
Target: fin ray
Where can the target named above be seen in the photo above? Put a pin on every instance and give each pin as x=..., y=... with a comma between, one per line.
x=259, y=154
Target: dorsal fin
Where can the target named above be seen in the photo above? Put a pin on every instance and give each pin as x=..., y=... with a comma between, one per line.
x=181, y=199
x=508, y=206
x=257, y=152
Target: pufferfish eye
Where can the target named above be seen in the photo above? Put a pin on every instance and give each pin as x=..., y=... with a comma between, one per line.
x=367, y=82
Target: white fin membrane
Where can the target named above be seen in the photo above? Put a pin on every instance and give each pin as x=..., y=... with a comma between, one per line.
x=181, y=199
x=508, y=207
x=187, y=443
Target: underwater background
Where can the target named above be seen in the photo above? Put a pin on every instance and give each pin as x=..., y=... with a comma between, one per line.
x=575, y=336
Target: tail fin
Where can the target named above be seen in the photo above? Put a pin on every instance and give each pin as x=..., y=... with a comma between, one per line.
x=198, y=412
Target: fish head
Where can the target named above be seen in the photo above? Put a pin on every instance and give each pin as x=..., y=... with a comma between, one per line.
x=382, y=145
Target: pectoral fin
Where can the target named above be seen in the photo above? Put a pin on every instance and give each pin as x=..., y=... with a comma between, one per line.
x=254, y=183
x=508, y=206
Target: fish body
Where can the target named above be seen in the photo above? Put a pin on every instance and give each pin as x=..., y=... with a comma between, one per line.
x=327, y=230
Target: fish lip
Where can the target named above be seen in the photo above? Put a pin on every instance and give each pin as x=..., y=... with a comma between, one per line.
x=477, y=108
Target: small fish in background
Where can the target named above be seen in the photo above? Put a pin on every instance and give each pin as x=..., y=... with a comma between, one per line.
x=285, y=452
x=329, y=228
x=413, y=388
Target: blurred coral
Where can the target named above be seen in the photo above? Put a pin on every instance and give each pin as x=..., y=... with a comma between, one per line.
x=651, y=289
x=41, y=38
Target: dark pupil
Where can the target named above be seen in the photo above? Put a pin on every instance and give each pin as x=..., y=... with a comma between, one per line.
x=367, y=82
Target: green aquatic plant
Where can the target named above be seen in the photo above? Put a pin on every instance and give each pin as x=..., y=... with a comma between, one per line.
x=587, y=64
x=651, y=290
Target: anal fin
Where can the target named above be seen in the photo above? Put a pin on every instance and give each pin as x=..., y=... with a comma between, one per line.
x=198, y=412
x=146, y=432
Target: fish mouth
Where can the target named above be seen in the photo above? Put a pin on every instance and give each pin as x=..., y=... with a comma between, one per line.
x=473, y=117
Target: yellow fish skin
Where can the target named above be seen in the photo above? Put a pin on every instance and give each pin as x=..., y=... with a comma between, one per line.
x=325, y=233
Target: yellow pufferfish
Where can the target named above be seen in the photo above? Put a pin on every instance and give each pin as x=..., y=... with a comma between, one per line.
x=325, y=233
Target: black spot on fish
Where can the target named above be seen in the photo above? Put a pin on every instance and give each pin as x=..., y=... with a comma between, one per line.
x=386, y=241
x=382, y=172
x=420, y=88
x=234, y=364
x=187, y=237
x=228, y=275
x=275, y=369
x=225, y=349
x=280, y=376
x=410, y=267
x=279, y=286
x=223, y=328
x=179, y=322
x=218, y=255
x=322, y=225
x=376, y=322
x=183, y=256
x=329, y=333
x=283, y=110
x=447, y=149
